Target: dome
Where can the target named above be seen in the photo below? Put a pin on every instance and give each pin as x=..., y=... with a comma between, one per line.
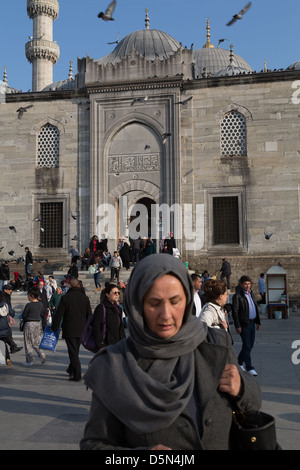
x=215, y=59
x=4, y=86
x=150, y=43
x=68, y=84
x=211, y=60
x=6, y=89
x=294, y=66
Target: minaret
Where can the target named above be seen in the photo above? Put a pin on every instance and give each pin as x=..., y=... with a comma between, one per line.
x=41, y=51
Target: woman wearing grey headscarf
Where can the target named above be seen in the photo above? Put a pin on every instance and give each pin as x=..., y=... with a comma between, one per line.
x=165, y=386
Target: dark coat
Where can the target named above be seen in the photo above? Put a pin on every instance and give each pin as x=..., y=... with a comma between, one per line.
x=114, y=325
x=240, y=309
x=73, y=311
x=104, y=431
x=5, y=330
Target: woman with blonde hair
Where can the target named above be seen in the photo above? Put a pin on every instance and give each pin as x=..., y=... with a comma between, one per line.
x=213, y=312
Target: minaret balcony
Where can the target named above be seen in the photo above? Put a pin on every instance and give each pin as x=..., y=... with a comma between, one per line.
x=42, y=49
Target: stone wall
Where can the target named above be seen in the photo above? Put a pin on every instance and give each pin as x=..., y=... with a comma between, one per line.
x=251, y=266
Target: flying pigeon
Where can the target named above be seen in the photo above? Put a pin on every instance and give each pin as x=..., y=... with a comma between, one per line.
x=115, y=42
x=147, y=147
x=185, y=101
x=23, y=110
x=37, y=218
x=140, y=100
x=239, y=15
x=268, y=235
x=108, y=12
x=74, y=217
x=221, y=40
x=21, y=244
x=12, y=253
x=11, y=227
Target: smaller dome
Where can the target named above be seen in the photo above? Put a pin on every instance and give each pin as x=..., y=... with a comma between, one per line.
x=231, y=70
x=294, y=66
x=5, y=88
x=68, y=84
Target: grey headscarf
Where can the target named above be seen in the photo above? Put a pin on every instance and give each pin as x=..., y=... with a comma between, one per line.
x=147, y=389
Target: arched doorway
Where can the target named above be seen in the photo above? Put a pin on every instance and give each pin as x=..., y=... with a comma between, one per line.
x=141, y=219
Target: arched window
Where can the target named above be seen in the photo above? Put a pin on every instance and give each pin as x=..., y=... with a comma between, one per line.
x=233, y=135
x=48, y=147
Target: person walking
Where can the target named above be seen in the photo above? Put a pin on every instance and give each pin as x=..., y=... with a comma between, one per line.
x=262, y=288
x=115, y=265
x=72, y=314
x=226, y=272
x=113, y=318
x=246, y=320
x=165, y=386
x=5, y=330
x=7, y=291
x=28, y=262
x=32, y=315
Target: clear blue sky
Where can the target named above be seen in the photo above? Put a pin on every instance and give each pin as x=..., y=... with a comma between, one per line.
x=269, y=30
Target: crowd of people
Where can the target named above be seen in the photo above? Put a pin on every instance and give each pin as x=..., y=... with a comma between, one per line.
x=167, y=312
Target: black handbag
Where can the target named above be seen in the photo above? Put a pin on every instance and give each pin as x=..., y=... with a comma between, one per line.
x=253, y=430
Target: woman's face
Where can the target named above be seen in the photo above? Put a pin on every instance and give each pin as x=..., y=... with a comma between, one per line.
x=113, y=296
x=164, y=306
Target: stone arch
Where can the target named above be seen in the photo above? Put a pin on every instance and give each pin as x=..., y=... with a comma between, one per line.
x=138, y=186
x=234, y=107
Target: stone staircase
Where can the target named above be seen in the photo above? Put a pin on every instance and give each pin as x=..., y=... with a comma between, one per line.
x=19, y=299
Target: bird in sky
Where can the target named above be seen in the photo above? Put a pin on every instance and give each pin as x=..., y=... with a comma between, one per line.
x=140, y=100
x=11, y=227
x=239, y=15
x=23, y=110
x=107, y=15
x=185, y=101
x=268, y=235
x=115, y=42
x=221, y=40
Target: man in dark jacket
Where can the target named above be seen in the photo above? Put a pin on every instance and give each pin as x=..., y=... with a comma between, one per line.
x=74, y=310
x=226, y=272
x=246, y=321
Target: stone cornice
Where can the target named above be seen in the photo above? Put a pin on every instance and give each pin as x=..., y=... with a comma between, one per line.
x=43, y=7
x=150, y=84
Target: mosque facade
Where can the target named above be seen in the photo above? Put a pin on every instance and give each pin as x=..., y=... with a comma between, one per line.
x=152, y=138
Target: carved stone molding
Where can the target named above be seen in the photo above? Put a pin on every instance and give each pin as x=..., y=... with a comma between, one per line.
x=41, y=49
x=133, y=163
x=42, y=7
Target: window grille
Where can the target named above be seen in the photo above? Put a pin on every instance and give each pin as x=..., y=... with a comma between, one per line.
x=233, y=135
x=51, y=225
x=48, y=147
x=225, y=220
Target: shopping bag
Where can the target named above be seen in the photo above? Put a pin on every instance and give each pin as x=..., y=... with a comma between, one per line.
x=50, y=339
